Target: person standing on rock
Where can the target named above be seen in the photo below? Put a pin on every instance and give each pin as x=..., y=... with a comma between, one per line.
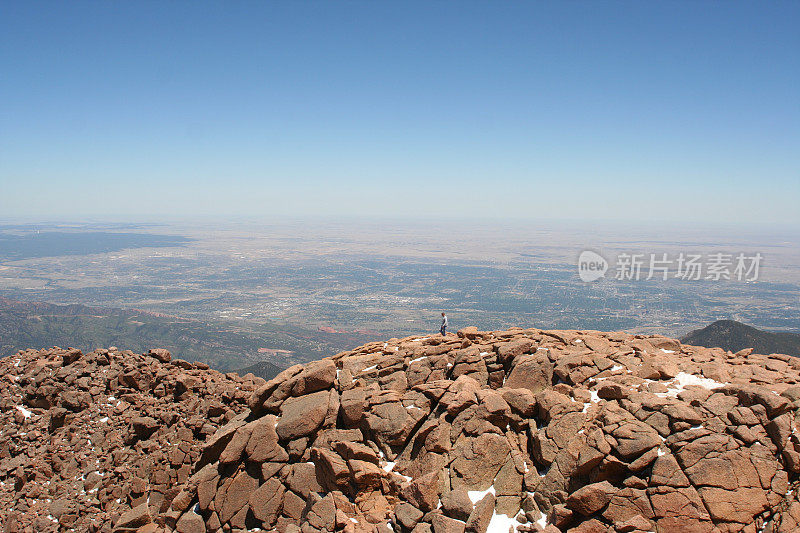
x=443, y=329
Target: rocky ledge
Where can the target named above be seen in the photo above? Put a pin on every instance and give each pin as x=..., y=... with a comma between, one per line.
x=524, y=430
x=534, y=430
x=86, y=438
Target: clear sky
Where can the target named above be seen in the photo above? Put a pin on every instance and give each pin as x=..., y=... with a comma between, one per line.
x=635, y=110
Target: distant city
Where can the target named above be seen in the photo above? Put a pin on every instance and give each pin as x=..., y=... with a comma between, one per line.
x=298, y=290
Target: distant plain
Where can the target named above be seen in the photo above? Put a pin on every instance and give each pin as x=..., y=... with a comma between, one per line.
x=300, y=289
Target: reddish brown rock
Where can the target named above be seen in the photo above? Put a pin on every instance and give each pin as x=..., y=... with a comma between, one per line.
x=373, y=436
x=592, y=498
x=423, y=493
x=532, y=372
x=133, y=519
x=266, y=502
x=481, y=515
x=303, y=415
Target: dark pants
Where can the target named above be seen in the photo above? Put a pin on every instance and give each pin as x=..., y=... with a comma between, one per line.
x=441, y=330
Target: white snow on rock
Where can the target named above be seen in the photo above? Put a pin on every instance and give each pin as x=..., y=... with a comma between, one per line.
x=390, y=466
x=501, y=523
x=25, y=412
x=373, y=367
x=418, y=359
x=683, y=379
x=477, y=495
x=542, y=521
x=594, y=398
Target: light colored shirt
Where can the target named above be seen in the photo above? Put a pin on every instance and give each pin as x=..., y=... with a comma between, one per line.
x=444, y=320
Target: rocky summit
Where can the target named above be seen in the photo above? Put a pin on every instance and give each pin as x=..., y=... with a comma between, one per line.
x=524, y=430
x=86, y=438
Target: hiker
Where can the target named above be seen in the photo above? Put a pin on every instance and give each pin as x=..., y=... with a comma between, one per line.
x=444, y=325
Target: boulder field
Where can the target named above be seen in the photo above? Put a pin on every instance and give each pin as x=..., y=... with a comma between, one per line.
x=524, y=430
x=86, y=438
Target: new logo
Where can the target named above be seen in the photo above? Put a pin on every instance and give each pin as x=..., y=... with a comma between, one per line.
x=591, y=266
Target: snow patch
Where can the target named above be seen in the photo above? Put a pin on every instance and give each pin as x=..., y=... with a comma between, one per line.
x=593, y=398
x=418, y=359
x=25, y=412
x=373, y=367
x=390, y=467
x=542, y=521
x=501, y=523
x=477, y=495
x=683, y=379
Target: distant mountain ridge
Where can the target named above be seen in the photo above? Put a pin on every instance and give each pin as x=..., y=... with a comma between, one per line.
x=44, y=325
x=734, y=336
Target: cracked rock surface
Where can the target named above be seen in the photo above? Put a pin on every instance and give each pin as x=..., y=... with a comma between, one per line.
x=93, y=440
x=525, y=430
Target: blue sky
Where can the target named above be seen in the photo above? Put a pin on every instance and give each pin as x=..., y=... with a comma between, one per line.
x=682, y=111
